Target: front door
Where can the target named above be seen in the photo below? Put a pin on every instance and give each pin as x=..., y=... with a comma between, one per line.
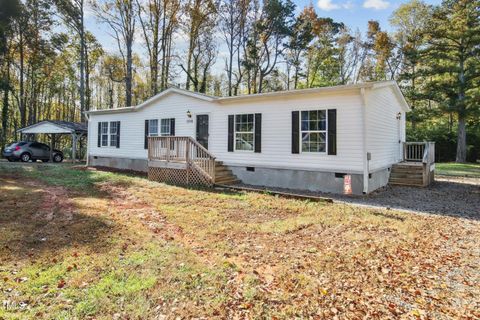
x=202, y=130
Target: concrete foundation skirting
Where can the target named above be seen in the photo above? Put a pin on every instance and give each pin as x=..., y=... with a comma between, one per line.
x=119, y=163
x=297, y=179
x=378, y=179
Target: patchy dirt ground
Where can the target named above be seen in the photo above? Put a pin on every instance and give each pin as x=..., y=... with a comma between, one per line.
x=127, y=248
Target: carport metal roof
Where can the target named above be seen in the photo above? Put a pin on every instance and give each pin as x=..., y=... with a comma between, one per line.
x=55, y=126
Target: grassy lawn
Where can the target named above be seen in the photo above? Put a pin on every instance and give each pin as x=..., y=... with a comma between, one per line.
x=78, y=244
x=458, y=169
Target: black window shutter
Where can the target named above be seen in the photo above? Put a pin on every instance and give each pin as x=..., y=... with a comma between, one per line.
x=146, y=135
x=230, y=132
x=118, y=134
x=258, y=132
x=332, y=131
x=172, y=133
x=295, y=131
x=99, y=134
x=172, y=126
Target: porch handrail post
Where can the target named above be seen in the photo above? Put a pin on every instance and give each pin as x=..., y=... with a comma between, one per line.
x=168, y=149
x=149, y=149
x=425, y=154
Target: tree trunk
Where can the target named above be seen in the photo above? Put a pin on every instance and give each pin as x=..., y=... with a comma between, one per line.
x=21, y=105
x=128, y=77
x=3, y=141
x=230, y=62
x=82, y=64
x=461, y=133
x=461, y=141
x=5, y=106
x=87, y=81
x=189, y=62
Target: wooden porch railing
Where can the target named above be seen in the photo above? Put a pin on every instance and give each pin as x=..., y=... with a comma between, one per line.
x=173, y=149
x=419, y=152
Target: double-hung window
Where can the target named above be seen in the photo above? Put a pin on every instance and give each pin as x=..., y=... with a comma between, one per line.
x=153, y=128
x=104, y=133
x=109, y=134
x=165, y=129
x=314, y=130
x=113, y=133
x=245, y=132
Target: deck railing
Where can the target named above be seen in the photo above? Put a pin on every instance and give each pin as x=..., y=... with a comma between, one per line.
x=419, y=152
x=182, y=150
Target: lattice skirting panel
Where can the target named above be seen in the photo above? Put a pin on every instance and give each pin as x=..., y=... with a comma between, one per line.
x=177, y=176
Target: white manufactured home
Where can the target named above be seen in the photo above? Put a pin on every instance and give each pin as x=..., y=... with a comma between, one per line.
x=306, y=139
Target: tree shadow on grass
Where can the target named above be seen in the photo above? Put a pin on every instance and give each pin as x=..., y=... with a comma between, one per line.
x=36, y=219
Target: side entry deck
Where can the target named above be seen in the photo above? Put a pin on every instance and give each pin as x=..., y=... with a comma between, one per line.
x=417, y=167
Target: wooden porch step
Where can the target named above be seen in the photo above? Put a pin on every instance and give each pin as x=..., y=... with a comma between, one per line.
x=405, y=183
x=407, y=174
x=406, y=170
x=223, y=175
x=406, y=180
x=227, y=182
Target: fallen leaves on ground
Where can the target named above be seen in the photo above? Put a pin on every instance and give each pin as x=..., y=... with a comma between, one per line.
x=243, y=255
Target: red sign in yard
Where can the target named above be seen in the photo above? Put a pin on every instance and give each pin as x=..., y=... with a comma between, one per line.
x=347, y=184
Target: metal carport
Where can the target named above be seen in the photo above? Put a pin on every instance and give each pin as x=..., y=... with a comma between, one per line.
x=75, y=129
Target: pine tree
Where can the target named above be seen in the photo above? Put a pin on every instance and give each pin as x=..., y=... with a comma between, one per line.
x=452, y=59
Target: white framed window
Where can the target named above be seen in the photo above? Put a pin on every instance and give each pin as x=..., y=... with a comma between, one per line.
x=113, y=134
x=165, y=129
x=245, y=132
x=104, y=133
x=153, y=127
x=313, y=127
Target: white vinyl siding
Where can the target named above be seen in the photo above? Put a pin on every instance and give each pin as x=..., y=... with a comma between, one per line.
x=384, y=130
x=276, y=129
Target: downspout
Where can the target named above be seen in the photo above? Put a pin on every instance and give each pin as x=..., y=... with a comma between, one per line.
x=364, y=136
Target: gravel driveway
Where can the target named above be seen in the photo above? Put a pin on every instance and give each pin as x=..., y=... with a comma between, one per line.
x=451, y=196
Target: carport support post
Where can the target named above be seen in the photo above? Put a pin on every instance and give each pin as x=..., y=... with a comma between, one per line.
x=74, y=147
x=52, y=137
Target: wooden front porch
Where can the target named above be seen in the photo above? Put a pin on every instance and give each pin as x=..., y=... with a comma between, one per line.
x=184, y=161
x=417, y=167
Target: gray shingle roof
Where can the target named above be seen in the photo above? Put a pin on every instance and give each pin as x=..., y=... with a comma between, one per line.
x=77, y=126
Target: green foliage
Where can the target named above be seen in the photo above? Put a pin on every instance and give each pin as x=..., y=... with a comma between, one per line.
x=443, y=131
x=433, y=53
x=440, y=74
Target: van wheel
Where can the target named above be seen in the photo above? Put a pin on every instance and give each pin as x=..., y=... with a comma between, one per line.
x=25, y=157
x=10, y=159
x=57, y=158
